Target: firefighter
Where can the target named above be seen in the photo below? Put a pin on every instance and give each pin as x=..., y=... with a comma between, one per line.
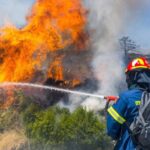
x=121, y=114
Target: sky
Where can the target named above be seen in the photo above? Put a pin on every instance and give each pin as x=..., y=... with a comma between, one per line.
x=139, y=26
x=14, y=11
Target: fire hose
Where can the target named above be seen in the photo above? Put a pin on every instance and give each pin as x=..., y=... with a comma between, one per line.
x=108, y=98
x=20, y=84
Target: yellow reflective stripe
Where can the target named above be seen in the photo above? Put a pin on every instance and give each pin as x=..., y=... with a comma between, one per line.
x=136, y=67
x=115, y=115
x=137, y=103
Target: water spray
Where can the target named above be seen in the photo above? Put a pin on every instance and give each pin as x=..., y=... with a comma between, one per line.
x=20, y=84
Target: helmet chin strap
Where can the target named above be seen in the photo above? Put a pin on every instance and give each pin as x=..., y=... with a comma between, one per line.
x=135, y=76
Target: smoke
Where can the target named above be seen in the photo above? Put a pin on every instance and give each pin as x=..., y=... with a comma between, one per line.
x=110, y=18
x=107, y=21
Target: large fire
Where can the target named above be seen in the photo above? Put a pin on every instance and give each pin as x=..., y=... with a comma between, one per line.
x=52, y=26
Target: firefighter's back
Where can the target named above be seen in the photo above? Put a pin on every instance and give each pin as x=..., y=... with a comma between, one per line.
x=125, y=110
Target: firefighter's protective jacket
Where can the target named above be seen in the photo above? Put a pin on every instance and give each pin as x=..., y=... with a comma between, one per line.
x=125, y=109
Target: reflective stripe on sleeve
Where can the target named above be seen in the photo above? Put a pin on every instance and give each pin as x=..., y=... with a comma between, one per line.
x=115, y=115
x=137, y=103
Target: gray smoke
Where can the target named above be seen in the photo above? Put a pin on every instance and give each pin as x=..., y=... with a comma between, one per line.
x=107, y=21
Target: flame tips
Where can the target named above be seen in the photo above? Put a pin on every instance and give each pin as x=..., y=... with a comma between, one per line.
x=51, y=26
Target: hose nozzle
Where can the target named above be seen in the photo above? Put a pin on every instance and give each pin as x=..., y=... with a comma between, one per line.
x=111, y=98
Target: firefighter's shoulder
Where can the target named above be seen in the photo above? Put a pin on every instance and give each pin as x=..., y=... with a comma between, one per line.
x=130, y=94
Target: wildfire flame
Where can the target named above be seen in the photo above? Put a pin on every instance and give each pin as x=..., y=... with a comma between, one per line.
x=51, y=26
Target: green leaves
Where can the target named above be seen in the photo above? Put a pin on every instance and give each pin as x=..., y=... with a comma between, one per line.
x=80, y=130
x=55, y=128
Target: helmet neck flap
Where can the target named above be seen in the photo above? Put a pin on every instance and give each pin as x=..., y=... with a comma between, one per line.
x=138, y=78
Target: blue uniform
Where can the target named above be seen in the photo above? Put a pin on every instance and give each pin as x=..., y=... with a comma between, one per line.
x=125, y=109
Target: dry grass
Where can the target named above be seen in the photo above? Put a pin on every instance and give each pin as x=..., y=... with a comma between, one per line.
x=12, y=140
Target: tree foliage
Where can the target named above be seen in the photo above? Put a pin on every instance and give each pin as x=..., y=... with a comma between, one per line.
x=57, y=127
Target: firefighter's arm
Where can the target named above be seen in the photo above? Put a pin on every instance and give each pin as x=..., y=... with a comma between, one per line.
x=115, y=117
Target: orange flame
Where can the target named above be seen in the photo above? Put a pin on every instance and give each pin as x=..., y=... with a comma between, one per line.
x=56, y=69
x=52, y=26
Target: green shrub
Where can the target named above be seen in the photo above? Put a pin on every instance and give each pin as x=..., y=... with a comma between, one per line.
x=55, y=127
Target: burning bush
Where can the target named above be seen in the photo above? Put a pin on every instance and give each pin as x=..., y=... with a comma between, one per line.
x=38, y=50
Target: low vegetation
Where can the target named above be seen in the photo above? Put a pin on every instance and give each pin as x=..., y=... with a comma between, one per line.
x=55, y=128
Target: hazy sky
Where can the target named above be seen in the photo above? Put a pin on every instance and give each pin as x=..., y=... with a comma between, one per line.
x=139, y=28
x=14, y=11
